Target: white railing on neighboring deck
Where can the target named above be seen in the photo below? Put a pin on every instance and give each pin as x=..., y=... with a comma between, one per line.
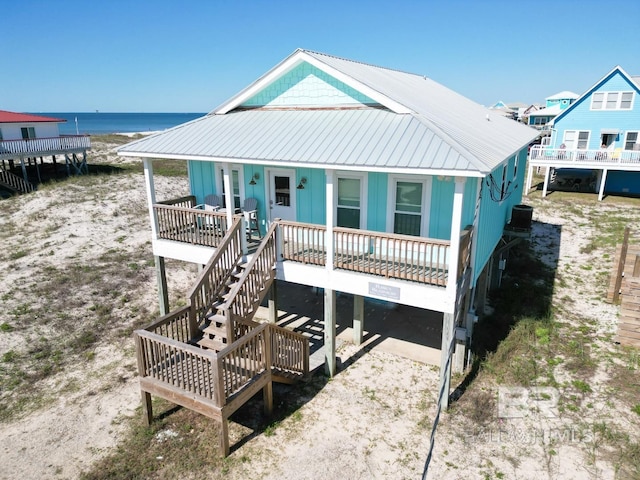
x=590, y=158
x=65, y=143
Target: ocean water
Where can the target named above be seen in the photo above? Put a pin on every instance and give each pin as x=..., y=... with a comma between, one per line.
x=99, y=123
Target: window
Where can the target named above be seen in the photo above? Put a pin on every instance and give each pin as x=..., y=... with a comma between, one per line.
x=574, y=139
x=612, y=101
x=631, y=141
x=408, y=208
x=1, y=135
x=235, y=185
x=349, y=208
x=28, y=132
x=540, y=120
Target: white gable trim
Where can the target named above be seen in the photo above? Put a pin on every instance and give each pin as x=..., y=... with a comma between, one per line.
x=295, y=59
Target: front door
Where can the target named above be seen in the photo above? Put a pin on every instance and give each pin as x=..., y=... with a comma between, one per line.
x=282, y=195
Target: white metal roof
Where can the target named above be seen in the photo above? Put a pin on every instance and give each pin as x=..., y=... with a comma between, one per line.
x=562, y=95
x=425, y=126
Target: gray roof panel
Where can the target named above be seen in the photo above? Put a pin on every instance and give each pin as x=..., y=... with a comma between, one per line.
x=443, y=131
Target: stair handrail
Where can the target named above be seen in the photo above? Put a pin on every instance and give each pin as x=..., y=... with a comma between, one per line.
x=261, y=256
x=212, y=277
x=15, y=182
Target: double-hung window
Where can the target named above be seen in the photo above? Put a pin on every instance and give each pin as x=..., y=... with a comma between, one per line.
x=349, y=204
x=631, y=141
x=408, y=208
x=28, y=132
x=612, y=100
x=576, y=139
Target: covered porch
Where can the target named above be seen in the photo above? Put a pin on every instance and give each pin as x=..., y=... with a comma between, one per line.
x=601, y=160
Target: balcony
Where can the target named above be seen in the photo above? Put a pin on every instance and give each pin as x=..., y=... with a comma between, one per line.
x=35, y=147
x=392, y=256
x=560, y=157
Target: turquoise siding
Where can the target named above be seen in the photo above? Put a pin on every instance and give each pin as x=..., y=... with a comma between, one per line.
x=581, y=117
x=377, y=202
x=311, y=201
x=494, y=215
x=307, y=85
x=202, y=179
x=441, y=208
x=257, y=191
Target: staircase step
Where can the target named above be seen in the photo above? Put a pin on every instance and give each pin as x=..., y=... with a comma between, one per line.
x=211, y=344
x=215, y=331
x=217, y=319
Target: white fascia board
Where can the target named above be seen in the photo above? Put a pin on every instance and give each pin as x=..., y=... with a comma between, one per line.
x=198, y=254
x=283, y=164
x=283, y=67
x=293, y=61
x=410, y=293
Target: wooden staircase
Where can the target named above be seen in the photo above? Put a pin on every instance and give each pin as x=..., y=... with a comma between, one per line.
x=14, y=183
x=211, y=356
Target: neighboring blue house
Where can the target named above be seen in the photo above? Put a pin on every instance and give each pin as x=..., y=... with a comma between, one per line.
x=554, y=105
x=374, y=182
x=600, y=131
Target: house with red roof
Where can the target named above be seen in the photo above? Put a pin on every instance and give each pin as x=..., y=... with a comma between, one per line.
x=25, y=138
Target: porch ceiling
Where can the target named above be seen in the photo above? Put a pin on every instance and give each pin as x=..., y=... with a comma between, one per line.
x=369, y=138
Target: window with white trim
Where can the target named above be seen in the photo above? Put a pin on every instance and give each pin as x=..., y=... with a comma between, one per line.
x=28, y=132
x=632, y=141
x=349, y=211
x=407, y=213
x=612, y=100
x=235, y=186
x=576, y=139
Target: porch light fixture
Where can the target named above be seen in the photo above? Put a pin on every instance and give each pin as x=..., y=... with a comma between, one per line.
x=256, y=176
x=303, y=182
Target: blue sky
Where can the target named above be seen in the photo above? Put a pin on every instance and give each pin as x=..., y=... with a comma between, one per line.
x=189, y=56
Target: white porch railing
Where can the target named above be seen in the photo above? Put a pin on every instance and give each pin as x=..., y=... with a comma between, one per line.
x=588, y=158
x=44, y=146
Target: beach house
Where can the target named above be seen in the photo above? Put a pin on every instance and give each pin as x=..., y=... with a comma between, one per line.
x=25, y=138
x=599, y=132
x=354, y=178
x=554, y=105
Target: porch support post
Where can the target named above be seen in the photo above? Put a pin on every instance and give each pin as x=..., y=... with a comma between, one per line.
x=24, y=169
x=529, y=179
x=448, y=333
x=454, y=250
x=330, y=213
x=358, y=318
x=603, y=180
x=273, y=302
x=546, y=182
x=330, y=331
x=163, y=291
x=228, y=192
x=151, y=195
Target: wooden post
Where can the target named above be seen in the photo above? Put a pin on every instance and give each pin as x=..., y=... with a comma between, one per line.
x=603, y=180
x=454, y=250
x=621, y=261
x=147, y=408
x=228, y=192
x=330, y=331
x=267, y=391
x=330, y=217
x=151, y=195
x=529, y=180
x=273, y=302
x=358, y=319
x=546, y=182
x=24, y=169
x=448, y=332
x=163, y=292
x=224, y=436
